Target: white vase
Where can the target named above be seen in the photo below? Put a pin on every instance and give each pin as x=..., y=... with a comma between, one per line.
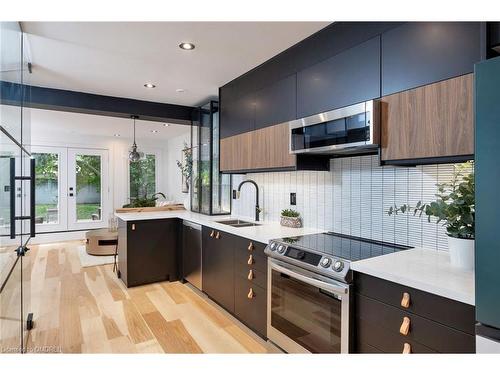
x=461, y=252
x=187, y=201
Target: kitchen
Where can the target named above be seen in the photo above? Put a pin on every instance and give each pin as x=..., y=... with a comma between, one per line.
x=323, y=201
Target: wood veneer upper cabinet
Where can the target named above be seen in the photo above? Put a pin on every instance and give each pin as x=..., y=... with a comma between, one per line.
x=433, y=121
x=266, y=148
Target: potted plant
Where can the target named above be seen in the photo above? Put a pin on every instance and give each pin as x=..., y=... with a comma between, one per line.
x=455, y=208
x=186, y=167
x=290, y=218
x=144, y=201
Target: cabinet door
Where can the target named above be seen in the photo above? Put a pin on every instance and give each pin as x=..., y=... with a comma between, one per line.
x=218, y=267
x=349, y=77
x=236, y=152
x=251, y=304
x=432, y=121
x=419, y=53
x=152, y=251
x=262, y=149
x=276, y=103
x=237, y=114
x=487, y=182
x=271, y=148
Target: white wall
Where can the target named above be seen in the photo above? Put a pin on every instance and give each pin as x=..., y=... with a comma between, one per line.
x=167, y=150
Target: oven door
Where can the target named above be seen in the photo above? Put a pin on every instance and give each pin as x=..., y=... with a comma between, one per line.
x=306, y=313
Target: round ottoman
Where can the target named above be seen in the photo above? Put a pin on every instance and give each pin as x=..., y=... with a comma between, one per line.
x=101, y=242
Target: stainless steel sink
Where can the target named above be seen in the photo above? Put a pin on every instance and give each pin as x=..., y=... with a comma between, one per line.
x=238, y=223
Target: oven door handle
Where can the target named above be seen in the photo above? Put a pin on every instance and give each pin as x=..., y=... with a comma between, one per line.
x=331, y=287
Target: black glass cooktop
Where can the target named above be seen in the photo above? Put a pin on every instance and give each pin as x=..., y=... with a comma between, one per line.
x=343, y=246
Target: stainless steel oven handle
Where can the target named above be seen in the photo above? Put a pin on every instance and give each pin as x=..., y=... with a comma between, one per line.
x=331, y=287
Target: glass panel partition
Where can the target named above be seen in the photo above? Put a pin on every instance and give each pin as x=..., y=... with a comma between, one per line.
x=211, y=191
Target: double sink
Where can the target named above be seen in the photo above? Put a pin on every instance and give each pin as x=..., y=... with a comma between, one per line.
x=238, y=223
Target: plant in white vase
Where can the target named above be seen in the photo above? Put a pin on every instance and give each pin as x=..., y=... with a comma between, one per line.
x=186, y=167
x=455, y=208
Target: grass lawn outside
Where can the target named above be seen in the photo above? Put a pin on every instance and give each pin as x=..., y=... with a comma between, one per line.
x=84, y=211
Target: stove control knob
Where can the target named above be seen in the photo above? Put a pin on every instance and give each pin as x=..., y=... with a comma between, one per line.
x=273, y=246
x=325, y=262
x=281, y=249
x=338, y=266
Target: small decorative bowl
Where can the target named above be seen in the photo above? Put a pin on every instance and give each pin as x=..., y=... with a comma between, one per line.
x=292, y=222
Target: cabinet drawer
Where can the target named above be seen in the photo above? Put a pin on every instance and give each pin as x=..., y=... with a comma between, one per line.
x=443, y=310
x=426, y=332
x=256, y=259
x=257, y=276
x=250, y=309
x=372, y=338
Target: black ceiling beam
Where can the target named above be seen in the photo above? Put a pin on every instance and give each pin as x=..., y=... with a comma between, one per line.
x=81, y=102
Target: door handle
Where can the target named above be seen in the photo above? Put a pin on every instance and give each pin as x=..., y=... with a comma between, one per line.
x=251, y=275
x=250, y=260
x=406, y=348
x=250, y=246
x=217, y=236
x=12, y=198
x=212, y=233
x=250, y=294
x=13, y=217
x=405, y=326
x=405, y=300
x=32, y=197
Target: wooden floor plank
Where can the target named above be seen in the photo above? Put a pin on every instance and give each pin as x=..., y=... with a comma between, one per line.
x=138, y=329
x=172, y=336
x=52, y=268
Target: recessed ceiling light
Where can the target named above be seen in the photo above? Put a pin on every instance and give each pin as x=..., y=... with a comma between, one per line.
x=116, y=135
x=154, y=131
x=165, y=125
x=149, y=85
x=180, y=90
x=186, y=46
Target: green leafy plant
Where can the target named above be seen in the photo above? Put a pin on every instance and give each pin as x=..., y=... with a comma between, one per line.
x=289, y=213
x=454, y=206
x=144, y=201
x=186, y=167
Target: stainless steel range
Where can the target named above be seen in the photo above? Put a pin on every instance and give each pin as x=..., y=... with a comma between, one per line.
x=309, y=289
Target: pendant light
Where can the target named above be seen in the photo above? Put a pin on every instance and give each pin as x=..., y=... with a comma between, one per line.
x=133, y=154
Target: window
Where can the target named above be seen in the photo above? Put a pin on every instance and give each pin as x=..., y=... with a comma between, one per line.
x=47, y=188
x=142, y=174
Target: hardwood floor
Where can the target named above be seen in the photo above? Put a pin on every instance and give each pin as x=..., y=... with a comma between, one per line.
x=89, y=310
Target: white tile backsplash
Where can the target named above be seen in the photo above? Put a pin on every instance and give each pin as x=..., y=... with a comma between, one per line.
x=352, y=198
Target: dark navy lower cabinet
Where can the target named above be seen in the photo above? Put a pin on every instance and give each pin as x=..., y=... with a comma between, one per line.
x=148, y=251
x=349, y=77
x=419, y=53
x=394, y=318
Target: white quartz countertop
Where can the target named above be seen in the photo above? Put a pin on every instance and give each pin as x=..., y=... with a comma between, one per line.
x=423, y=269
x=262, y=233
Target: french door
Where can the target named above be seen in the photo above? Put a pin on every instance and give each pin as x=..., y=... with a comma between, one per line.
x=71, y=188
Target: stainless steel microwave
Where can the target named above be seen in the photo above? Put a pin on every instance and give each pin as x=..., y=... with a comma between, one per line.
x=350, y=130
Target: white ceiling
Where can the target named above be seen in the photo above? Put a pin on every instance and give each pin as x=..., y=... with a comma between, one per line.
x=117, y=58
x=44, y=122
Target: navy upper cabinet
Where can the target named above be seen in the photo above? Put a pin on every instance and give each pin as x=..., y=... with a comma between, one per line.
x=237, y=114
x=349, y=77
x=276, y=103
x=419, y=53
